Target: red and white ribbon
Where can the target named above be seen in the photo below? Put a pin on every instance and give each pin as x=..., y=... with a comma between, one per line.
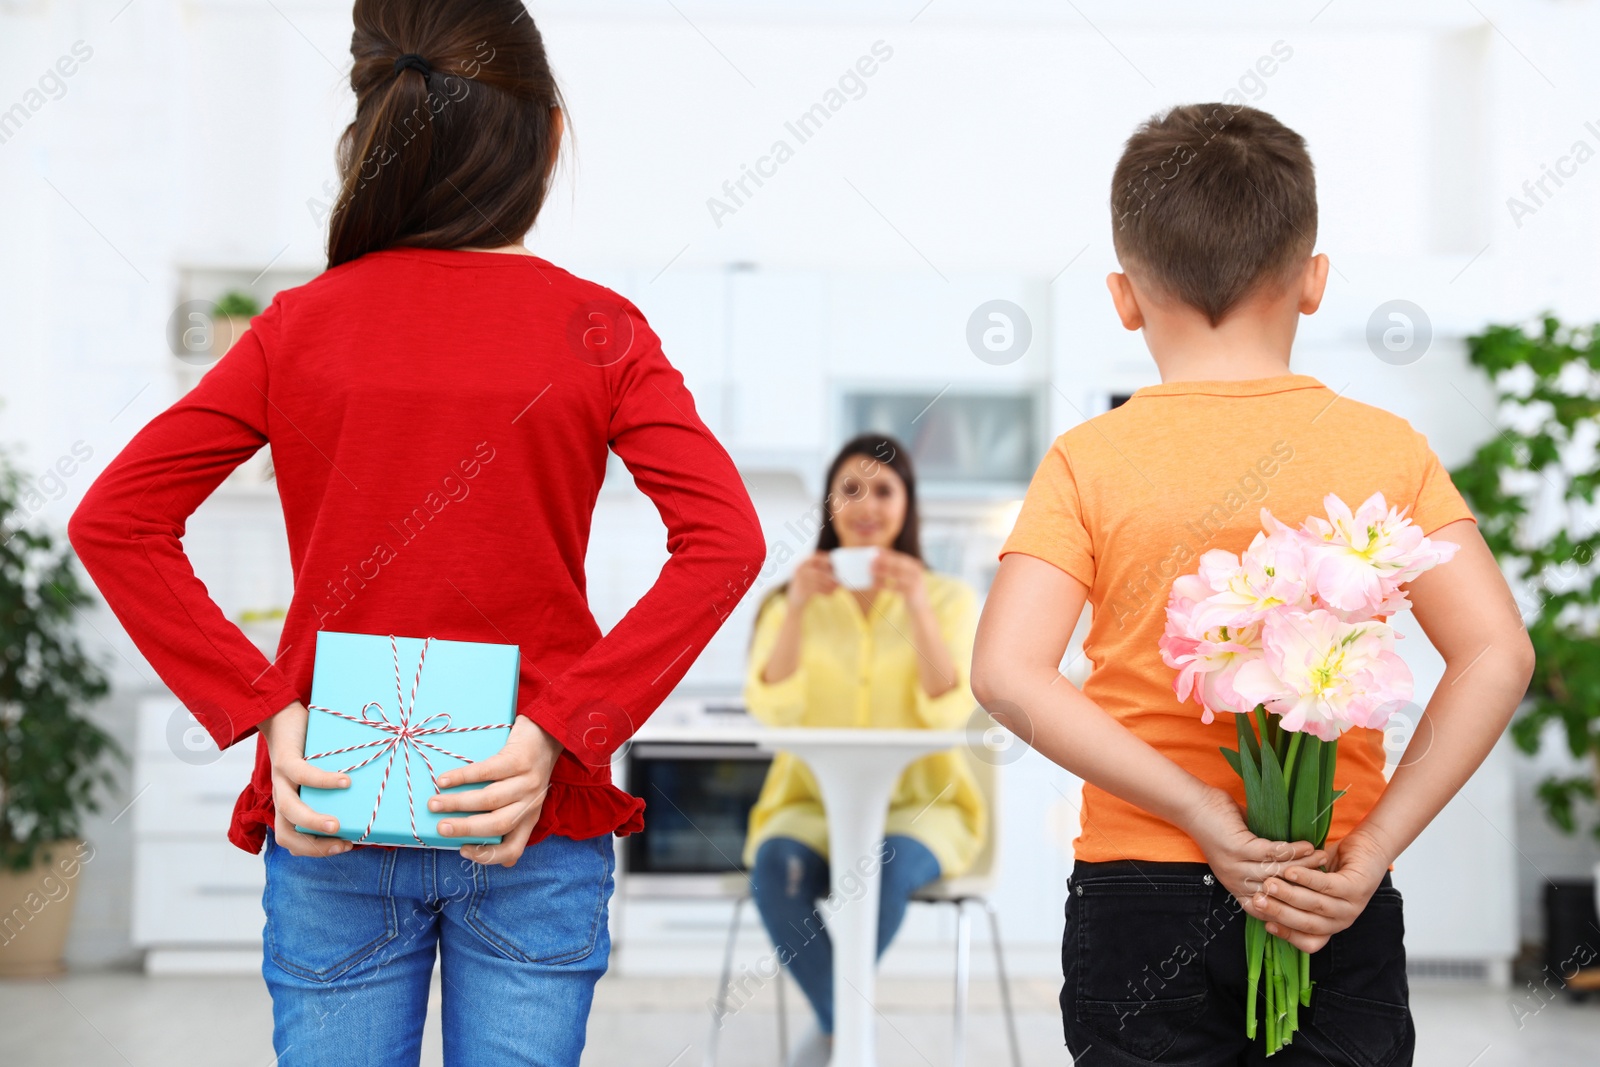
x=404, y=737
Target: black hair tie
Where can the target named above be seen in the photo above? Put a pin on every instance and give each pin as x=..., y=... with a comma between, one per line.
x=412, y=61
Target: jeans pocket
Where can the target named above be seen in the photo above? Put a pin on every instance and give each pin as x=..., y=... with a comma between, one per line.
x=1140, y=977
x=326, y=917
x=1369, y=1033
x=1361, y=1006
x=550, y=907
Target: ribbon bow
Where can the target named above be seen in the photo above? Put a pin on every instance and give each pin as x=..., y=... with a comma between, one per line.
x=404, y=737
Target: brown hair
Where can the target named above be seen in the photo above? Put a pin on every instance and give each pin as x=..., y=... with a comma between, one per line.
x=880, y=448
x=458, y=157
x=1211, y=201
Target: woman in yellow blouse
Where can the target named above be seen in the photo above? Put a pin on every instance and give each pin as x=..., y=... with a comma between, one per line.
x=895, y=655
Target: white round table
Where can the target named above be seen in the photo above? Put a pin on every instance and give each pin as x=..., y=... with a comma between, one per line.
x=856, y=769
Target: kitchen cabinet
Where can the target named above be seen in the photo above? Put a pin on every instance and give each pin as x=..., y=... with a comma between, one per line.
x=196, y=897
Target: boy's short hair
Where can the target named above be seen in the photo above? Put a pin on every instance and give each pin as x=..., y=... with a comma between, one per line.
x=1211, y=201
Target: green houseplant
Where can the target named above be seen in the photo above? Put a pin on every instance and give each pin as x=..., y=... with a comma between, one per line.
x=236, y=303
x=230, y=318
x=1530, y=487
x=54, y=761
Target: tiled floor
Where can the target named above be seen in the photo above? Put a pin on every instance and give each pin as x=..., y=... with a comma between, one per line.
x=127, y=1020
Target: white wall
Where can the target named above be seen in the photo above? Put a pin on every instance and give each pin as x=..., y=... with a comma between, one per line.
x=201, y=133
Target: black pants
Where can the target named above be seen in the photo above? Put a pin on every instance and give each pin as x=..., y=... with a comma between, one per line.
x=1153, y=956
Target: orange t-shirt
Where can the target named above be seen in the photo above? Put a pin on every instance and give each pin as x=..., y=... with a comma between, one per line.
x=1128, y=501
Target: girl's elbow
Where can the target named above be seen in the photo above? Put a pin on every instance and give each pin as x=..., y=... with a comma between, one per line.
x=751, y=541
x=87, y=532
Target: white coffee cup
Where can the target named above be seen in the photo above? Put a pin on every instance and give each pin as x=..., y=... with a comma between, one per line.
x=853, y=566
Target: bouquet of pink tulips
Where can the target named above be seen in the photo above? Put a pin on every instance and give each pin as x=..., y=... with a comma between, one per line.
x=1293, y=632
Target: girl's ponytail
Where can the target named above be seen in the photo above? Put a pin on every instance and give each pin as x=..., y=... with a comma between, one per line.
x=457, y=127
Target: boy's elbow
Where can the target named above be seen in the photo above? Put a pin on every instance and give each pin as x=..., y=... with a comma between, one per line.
x=1523, y=659
x=985, y=681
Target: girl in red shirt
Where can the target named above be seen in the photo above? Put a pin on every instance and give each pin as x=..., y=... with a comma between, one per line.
x=439, y=404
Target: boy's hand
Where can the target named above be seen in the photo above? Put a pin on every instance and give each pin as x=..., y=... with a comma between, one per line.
x=1243, y=862
x=1306, y=907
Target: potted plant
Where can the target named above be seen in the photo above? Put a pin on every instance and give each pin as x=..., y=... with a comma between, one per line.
x=1532, y=487
x=53, y=760
x=231, y=319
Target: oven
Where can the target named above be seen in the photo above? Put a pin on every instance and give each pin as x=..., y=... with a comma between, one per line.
x=698, y=797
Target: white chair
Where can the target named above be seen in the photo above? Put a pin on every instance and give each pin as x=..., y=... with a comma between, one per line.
x=974, y=888
x=737, y=885
x=971, y=888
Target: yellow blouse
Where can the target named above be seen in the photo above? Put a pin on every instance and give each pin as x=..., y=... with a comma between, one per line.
x=857, y=671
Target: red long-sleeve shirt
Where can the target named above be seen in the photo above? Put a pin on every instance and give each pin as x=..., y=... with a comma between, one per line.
x=439, y=423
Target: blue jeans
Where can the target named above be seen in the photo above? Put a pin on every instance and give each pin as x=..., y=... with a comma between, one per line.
x=789, y=878
x=349, y=949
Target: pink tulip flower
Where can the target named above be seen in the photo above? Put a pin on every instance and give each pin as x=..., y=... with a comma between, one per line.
x=1357, y=563
x=1324, y=675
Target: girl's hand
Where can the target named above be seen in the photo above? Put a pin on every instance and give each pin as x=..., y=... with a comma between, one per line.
x=518, y=777
x=902, y=574
x=1306, y=907
x=1242, y=861
x=812, y=577
x=286, y=748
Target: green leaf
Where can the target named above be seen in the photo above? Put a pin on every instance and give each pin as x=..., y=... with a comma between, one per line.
x=1233, y=760
x=1558, y=795
x=1325, y=797
x=1291, y=981
x=1255, y=937
x=54, y=759
x=1527, y=365
x=1274, y=802
x=1268, y=738
x=1305, y=804
x=1247, y=738
x=1254, y=802
x=1327, y=815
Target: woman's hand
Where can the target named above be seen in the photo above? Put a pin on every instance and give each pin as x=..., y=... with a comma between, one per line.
x=902, y=574
x=1243, y=862
x=286, y=748
x=1306, y=907
x=813, y=577
x=518, y=777
x=936, y=668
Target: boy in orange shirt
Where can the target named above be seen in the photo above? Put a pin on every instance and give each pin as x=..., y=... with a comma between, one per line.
x=1214, y=212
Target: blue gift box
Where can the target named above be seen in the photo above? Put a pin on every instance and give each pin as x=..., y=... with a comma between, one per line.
x=383, y=706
